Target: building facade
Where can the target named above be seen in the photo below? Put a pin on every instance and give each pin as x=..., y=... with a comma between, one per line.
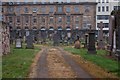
x=103, y=11
x=50, y=15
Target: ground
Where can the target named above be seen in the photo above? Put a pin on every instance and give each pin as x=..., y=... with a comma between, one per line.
x=55, y=62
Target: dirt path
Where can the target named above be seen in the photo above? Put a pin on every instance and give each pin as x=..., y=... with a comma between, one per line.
x=58, y=67
x=55, y=63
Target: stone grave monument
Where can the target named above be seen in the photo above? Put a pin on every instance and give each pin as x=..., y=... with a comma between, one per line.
x=18, y=43
x=101, y=44
x=77, y=43
x=91, y=44
x=56, y=38
x=86, y=40
x=117, y=19
x=29, y=42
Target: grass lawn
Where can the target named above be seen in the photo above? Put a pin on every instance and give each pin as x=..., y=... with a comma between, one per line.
x=105, y=63
x=17, y=63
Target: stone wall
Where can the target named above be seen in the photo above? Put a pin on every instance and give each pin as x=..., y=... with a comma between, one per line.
x=4, y=39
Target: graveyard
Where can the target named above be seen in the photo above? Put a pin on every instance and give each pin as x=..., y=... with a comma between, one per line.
x=61, y=52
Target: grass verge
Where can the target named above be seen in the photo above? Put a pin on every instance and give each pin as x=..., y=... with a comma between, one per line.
x=17, y=63
x=99, y=59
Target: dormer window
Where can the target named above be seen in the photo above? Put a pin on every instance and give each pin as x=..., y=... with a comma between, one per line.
x=60, y=9
x=26, y=10
x=43, y=9
x=68, y=9
x=35, y=9
x=51, y=9
x=76, y=9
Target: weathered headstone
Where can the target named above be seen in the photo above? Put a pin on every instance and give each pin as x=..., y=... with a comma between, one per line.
x=29, y=42
x=91, y=44
x=27, y=33
x=110, y=38
x=43, y=35
x=86, y=40
x=118, y=35
x=18, y=43
x=56, y=39
x=77, y=43
x=101, y=44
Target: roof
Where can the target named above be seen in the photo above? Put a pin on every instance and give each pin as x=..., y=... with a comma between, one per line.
x=48, y=3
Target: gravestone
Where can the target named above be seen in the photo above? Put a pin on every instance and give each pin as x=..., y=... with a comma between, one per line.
x=101, y=44
x=43, y=35
x=56, y=38
x=18, y=43
x=111, y=27
x=77, y=43
x=86, y=40
x=91, y=44
x=118, y=35
x=27, y=33
x=29, y=42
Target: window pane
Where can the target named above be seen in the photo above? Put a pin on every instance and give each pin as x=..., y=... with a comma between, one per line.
x=68, y=19
x=18, y=19
x=35, y=9
x=68, y=9
x=59, y=19
x=26, y=10
x=99, y=9
x=10, y=9
x=18, y=9
x=59, y=9
x=51, y=9
x=76, y=9
x=10, y=19
x=43, y=9
x=103, y=9
x=26, y=19
x=102, y=17
x=107, y=8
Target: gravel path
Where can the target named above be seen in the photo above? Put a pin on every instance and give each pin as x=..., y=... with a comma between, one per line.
x=56, y=63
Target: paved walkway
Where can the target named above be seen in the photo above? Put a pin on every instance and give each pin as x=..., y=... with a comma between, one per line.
x=56, y=63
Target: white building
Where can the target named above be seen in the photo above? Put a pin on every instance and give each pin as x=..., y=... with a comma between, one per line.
x=103, y=10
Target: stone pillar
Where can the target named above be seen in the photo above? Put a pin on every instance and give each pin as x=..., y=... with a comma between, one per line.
x=111, y=24
x=91, y=45
x=118, y=36
x=101, y=44
x=114, y=41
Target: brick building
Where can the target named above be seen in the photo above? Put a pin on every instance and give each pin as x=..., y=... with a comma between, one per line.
x=50, y=15
x=41, y=19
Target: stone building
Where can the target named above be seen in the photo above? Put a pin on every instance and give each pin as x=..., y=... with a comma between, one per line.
x=50, y=15
x=41, y=19
x=4, y=38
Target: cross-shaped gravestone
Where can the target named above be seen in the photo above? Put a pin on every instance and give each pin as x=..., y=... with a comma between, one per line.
x=101, y=44
x=29, y=42
x=18, y=43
